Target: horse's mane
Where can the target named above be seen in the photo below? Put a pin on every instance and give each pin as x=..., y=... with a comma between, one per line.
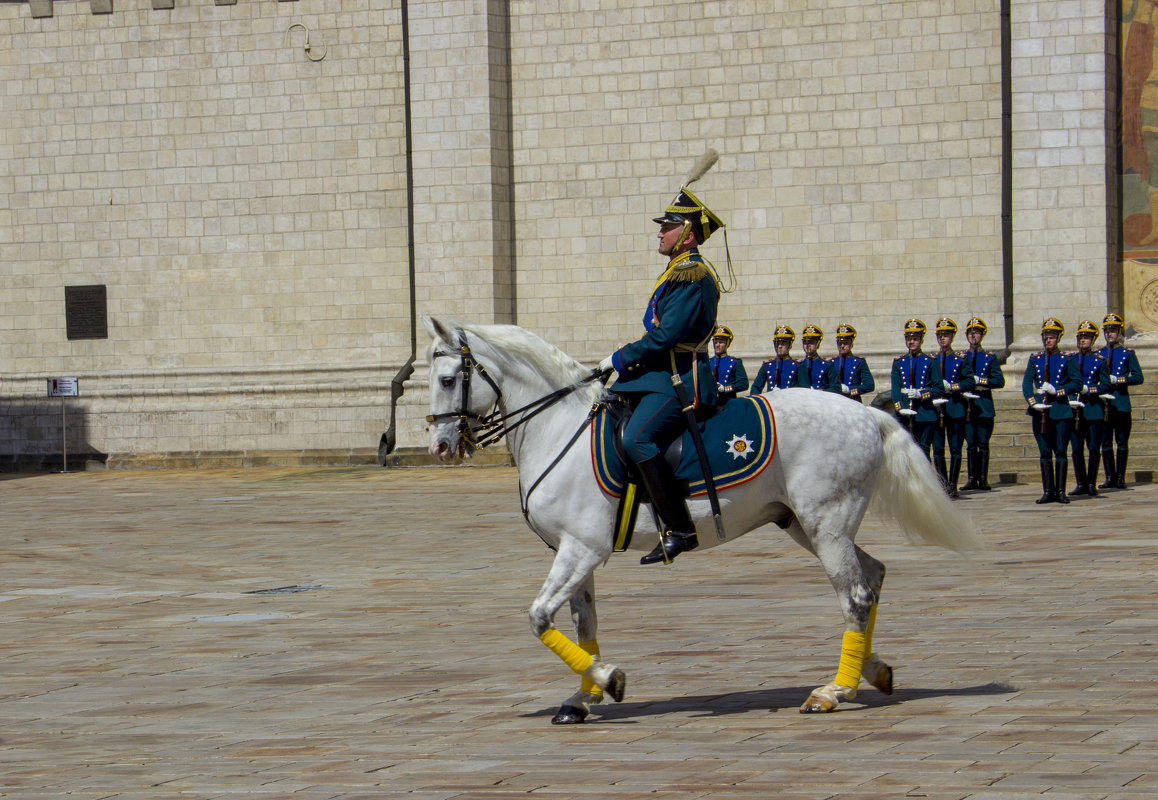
x=521, y=345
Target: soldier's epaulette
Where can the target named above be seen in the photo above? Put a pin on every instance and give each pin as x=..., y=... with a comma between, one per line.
x=961, y=353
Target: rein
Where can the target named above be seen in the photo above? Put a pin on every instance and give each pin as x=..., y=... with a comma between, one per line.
x=493, y=425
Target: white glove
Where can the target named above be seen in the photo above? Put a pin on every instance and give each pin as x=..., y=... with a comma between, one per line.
x=970, y=395
x=940, y=401
x=844, y=388
x=1086, y=389
x=606, y=364
x=948, y=386
x=913, y=393
x=1048, y=388
x=1106, y=396
x=908, y=412
x=1077, y=404
x=1040, y=406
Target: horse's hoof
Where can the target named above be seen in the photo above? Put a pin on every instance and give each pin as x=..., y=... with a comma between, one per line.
x=569, y=715
x=878, y=674
x=815, y=704
x=616, y=685
x=827, y=698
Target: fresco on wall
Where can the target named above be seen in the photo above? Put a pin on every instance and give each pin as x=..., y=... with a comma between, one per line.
x=1139, y=130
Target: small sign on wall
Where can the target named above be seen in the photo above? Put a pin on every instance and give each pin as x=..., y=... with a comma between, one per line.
x=63, y=387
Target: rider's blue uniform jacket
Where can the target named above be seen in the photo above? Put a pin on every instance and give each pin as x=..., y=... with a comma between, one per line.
x=958, y=371
x=681, y=311
x=1125, y=371
x=853, y=372
x=1055, y=368
x=728, y=372
x=987, y=376
x=917, y=372
x=778, y=373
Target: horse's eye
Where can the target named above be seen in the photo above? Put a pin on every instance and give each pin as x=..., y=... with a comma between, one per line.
x=447, y=381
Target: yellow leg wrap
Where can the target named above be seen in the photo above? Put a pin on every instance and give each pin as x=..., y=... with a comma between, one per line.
x=852, y=654
x=586, y=684
x=868, y=633
x=572, y=654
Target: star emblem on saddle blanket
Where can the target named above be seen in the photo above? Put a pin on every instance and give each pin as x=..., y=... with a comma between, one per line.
x=739, y=446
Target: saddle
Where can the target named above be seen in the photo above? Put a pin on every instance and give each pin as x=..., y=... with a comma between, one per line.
x=740, y=439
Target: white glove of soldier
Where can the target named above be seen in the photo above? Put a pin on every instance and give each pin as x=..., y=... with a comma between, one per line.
x=1048, y=388
x=1040, y=406
x=606, y=365
x=970, y=395
x=940, y=401
x=948, y=386
x=720, y=388
x=908, y=412
x=1086, y=389
x=914, y=393
x=1106, y=396
x=844, y=388
x=1077, y=404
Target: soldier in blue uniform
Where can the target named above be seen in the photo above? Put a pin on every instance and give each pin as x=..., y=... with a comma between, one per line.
x=852, y=372
x=1125, y=371
x=678, y=322
x=916, y=383
x=1051, y=379
x=1086, y=440
x=980, y=412
x=818, y=373
x=956, y=378
x=781, y=372
x=729, y=372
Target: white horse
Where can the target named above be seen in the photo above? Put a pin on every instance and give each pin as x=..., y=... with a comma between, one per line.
x=831, y=454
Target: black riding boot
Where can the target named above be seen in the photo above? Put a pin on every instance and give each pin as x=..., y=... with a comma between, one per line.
x=954, y=474
x=972, y=469
x=939, y=467
x=1083, y=485
x=1123, y=454
x=1047, y=493
x=1111, y=481
x=667, y=499
x=1091, y=473
x=1059, y=480
x=983, y=471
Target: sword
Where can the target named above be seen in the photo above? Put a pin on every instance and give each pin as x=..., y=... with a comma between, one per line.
x=689, y=410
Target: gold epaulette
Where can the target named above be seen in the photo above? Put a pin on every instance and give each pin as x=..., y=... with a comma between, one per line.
x=685, y=269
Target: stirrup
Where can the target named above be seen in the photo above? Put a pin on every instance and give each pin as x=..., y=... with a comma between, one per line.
x=670, y=545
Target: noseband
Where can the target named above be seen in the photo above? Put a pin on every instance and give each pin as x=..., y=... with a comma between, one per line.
x=493, y=425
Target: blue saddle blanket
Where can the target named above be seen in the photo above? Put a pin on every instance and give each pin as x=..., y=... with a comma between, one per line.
x=740, y=441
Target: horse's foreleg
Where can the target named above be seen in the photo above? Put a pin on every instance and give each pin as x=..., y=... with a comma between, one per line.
x=571, y=579
x=875, y=671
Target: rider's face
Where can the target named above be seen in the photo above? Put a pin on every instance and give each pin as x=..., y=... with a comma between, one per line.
x=670, y=234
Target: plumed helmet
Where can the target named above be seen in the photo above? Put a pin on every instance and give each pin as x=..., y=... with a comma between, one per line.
x=1052, y=325
x=845, y=331
x=1113, y=319
x=811, y=332
x=784, y=332
x=946, y=325
x=977, y=322
x=914, y=325
x=1087, y=327
x=723, y=332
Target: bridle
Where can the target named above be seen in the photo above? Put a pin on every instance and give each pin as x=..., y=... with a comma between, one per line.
x=477, y=431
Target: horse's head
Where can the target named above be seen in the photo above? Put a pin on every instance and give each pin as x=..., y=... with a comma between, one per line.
x=460, y=403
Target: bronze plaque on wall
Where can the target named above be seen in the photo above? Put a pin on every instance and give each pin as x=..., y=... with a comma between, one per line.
x=86, y=312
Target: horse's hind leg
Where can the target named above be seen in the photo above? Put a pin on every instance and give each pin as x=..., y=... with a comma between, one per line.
x=576, y=708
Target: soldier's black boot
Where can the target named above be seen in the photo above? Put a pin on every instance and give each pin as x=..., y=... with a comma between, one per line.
x=983, y=471
x=1083, y=485
x=1059, y=480
x=954, y=475
x=972, y=469
x=1091, y=474
x=667, y=499
x=1047, y=493
x=939, y=467
x=1111, y=481
x=1123, y=454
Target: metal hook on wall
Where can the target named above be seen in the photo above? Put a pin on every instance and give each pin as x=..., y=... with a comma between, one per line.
x=308, y=47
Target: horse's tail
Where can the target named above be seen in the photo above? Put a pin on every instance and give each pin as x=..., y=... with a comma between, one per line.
x=909, y=491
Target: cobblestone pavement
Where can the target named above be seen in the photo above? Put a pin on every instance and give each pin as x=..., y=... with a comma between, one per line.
x=147, y=654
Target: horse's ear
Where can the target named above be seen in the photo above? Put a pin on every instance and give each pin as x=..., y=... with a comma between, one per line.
x=436, y=329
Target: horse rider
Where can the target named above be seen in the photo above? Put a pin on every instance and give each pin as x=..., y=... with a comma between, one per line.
x=781, y=372
x=916, y=383
x=852, y=372
x=679, y=320
x=818, y=373
x=728, y=372
x=956, y=378
x=1051, y=379
x=1086, y=440
x=980, y=413
x=1125, y=371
